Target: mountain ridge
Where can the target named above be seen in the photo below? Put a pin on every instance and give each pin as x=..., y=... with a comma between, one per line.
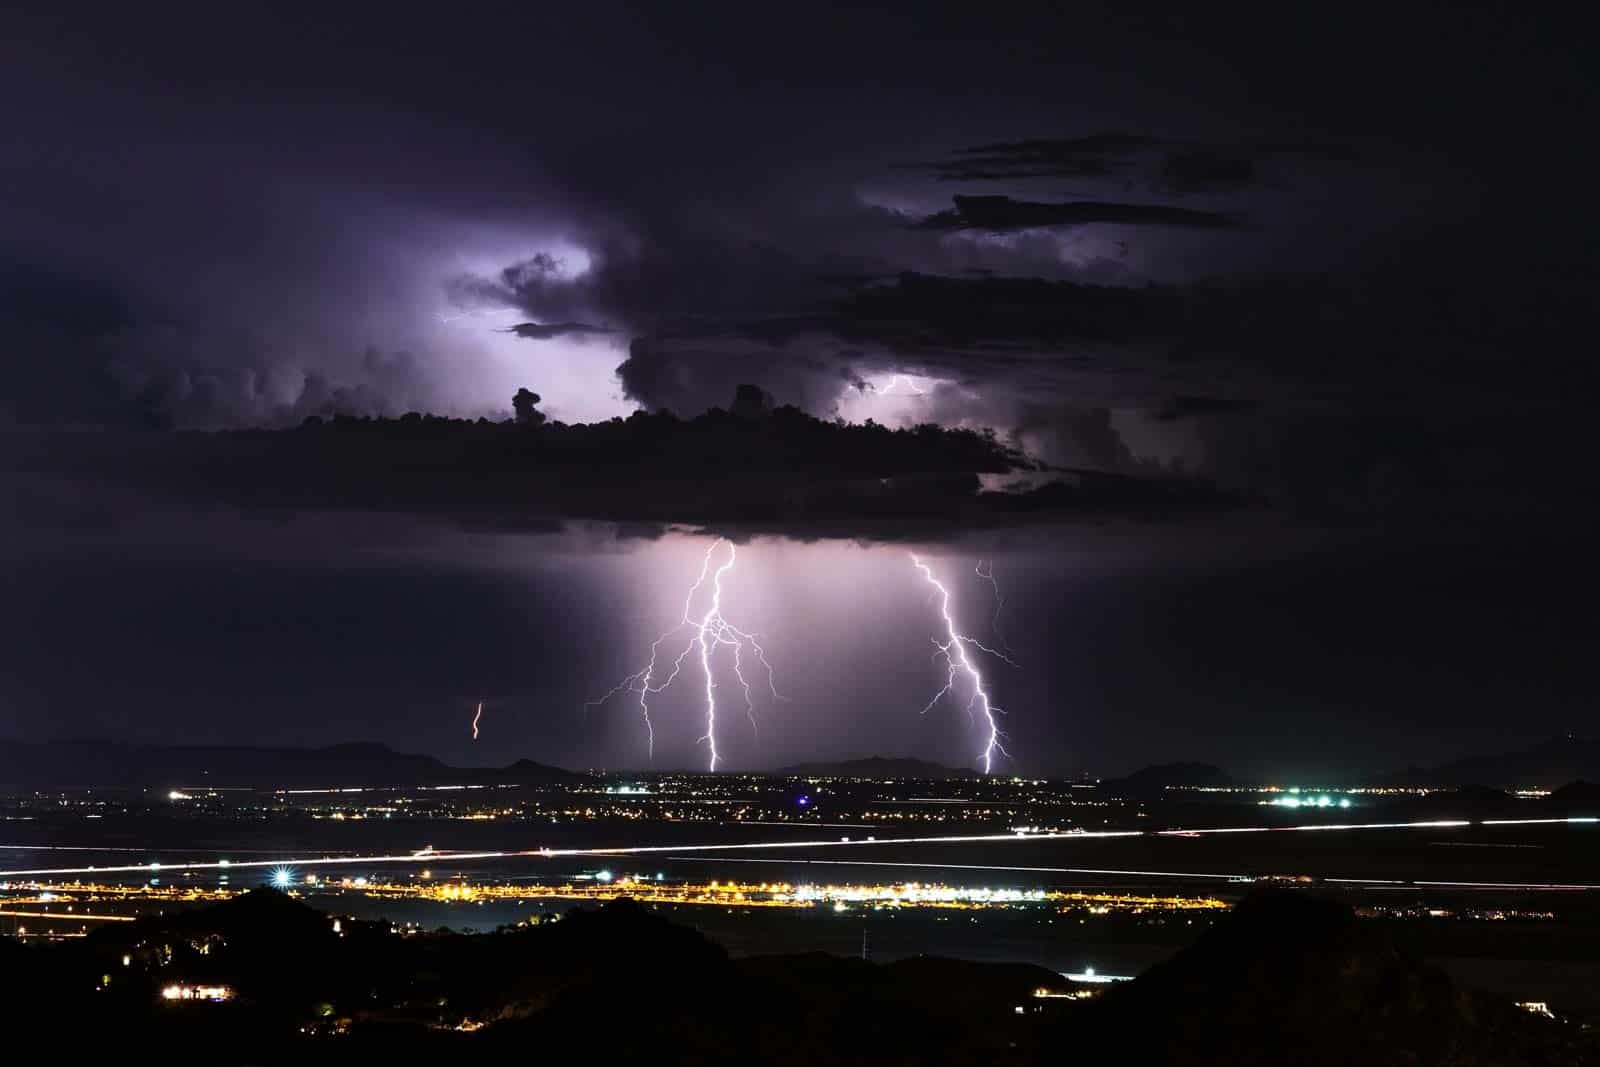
x=875, y=767
x=91, y=764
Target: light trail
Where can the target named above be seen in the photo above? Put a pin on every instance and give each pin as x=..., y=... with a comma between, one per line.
x=74, y=848
x=954, y=651
x=475, y=719
x=1432, y=824
x=748, y=846
x=993, y=867
x=709, y=632
x=1386, y=883
x=67, y=915
x=149, y=849
x=1397, y=883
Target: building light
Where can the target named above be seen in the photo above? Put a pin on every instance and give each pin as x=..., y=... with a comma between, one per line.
x=213, y=993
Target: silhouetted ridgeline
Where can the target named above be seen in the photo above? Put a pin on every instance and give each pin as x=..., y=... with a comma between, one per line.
x=1289, y=978
x=110, y=764
x=1153, y=780
x=876, y=767
x=1546, y=765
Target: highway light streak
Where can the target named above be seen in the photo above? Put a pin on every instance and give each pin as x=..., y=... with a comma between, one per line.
x=434, y=856
x=977, y=867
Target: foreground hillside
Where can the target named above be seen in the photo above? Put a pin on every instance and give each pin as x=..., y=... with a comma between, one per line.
x=1285, y=979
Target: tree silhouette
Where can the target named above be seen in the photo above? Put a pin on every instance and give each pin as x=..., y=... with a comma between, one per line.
x=525, y=404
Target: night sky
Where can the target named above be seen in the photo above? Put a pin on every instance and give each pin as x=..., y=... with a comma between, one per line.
x=1280, y=319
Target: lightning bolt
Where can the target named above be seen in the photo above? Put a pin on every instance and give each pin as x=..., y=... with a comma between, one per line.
x=999, y=601
x=901, y=379
x=954, y=650
x=470, y=313
x=475, y=719
x=708, y=632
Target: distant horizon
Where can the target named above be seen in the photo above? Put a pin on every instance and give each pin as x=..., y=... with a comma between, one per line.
x=1243, y=779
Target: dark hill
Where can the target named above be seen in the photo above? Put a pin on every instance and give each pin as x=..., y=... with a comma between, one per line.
x=1153, y=780
x=110, y=764
x=1576, y=798
x=875, y=767
x=1544, y=766
x=1291, y=978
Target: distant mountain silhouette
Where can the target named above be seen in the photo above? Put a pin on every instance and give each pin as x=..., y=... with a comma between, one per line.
x=1154, y=779
x=1291, y=978
x=111, y=764
x=875, y=767
x=1576, y=798
x=1545, y=766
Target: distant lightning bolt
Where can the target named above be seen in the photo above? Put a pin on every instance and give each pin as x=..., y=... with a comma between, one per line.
x=469, y=313
x=708, y=632
x=999, y=601
x=475, y=719
x=901, y=379
x=954, y=651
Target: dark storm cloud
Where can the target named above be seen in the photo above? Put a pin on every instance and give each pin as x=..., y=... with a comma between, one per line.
x=545, y=331
x=1208, y=172
x=1181, y=407
x=761, y=245
x=777, y=471
x=1126, y=160
x=997, y=214
x=1364, y=415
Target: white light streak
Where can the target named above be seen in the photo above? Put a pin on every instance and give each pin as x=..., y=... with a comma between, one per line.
x=973, y=867
x=814, y=843
x=475, y=719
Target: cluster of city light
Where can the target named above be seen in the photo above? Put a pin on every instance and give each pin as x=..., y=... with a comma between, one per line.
x=1293, y=799
x=604, y=885
x=915, y=893
x=196, y=992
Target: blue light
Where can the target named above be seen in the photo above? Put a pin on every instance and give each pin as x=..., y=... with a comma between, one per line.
x=804, y=802
x=282, y=877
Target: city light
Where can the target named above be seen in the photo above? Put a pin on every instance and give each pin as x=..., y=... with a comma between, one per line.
x=214, y=993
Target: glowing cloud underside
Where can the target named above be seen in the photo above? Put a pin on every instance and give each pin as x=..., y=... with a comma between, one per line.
x=708, y=632
x=954, y=650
